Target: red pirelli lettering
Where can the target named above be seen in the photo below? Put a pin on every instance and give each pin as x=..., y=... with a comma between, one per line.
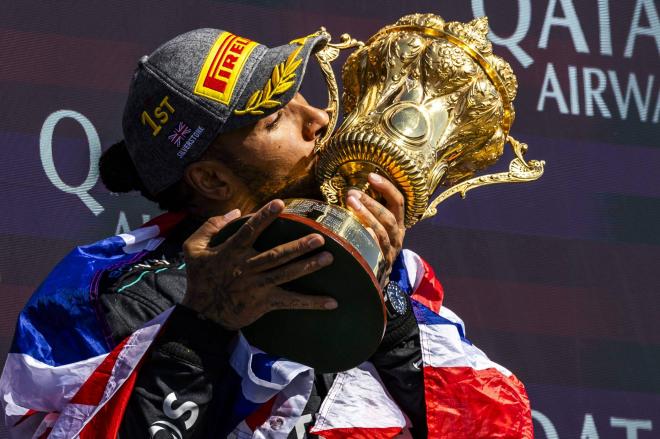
x=223, y=66
x=230, y=62
x=237, y=48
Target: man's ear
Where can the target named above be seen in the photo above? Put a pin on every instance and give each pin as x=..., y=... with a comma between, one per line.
x=210, y=179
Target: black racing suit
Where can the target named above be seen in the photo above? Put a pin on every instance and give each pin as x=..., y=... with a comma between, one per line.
x=189, y=359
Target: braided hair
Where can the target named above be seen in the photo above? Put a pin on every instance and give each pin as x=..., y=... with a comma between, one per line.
x=118, y=174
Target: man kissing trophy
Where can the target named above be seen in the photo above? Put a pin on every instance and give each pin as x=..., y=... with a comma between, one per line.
x=159, y=331
x=427, y=104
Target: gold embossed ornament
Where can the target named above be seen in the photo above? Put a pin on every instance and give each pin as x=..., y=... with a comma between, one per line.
x=427, y=103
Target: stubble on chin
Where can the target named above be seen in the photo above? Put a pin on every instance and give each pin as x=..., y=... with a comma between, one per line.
x=304, y=187
x=301, y=186
x=299, y=183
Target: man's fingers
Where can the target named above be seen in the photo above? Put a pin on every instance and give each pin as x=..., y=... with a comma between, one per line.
x=293, y=270
x=200, y=239
x=250, y=231
x=392, y=196
x=284, y=253
x=381, y=214
x=368, y=219
x=283, y=299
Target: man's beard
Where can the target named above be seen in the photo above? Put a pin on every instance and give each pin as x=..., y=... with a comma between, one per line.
x=297, y=184
x=304, y=186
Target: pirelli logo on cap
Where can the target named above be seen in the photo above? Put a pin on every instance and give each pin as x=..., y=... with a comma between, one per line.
x=223, y=66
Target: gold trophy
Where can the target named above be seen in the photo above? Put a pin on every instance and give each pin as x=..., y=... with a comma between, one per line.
x=426, y=104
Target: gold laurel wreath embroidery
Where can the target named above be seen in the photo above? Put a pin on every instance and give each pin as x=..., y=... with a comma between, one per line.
x=282, y=79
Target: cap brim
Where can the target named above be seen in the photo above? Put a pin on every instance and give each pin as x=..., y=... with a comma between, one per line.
x=274, y=81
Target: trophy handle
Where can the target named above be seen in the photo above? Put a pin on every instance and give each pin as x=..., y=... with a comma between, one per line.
x=520, y=171
x=325, y=56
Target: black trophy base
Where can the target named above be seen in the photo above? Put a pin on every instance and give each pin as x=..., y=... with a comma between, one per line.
x=328, y=341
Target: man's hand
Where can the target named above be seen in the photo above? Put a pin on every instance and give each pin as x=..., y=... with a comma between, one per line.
x=385, y=222
x=234, y=285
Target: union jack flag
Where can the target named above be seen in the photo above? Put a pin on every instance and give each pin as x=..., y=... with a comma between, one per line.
x=179, y=134
x=63, y=380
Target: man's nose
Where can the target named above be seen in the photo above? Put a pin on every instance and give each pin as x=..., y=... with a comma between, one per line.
x=315, y=122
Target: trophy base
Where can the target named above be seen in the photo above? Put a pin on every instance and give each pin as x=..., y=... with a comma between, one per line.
x=328, y=341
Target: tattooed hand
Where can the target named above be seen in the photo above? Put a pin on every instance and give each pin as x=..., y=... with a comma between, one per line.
x=234, y=285
x=384, y=222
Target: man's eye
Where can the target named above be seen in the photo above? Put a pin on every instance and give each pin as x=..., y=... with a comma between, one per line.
x=274, y=122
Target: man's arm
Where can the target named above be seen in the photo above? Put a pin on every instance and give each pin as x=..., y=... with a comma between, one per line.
x=185, y=382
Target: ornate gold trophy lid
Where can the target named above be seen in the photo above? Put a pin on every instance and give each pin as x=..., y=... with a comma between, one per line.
x=426, y=103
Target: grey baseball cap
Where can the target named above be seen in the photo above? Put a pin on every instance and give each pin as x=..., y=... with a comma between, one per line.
x=201, y=84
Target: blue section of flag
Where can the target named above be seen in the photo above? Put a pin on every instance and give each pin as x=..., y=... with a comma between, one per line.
x=425, y=316
x=262, y=365
x=399, y=274
x=242, y=409
x=59, y=324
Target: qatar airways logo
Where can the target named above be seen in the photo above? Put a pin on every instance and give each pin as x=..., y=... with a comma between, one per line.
x=173, y=414
x=588, y=90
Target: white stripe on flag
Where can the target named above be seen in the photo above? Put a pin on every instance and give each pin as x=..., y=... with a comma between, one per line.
x=289, y=405
x=442, y=347
x=31, y=384
x=140, y=235
x=358, y=399
x=414, y=267
x=75, y=416
x=144, y=238
x=254, y=388
x=453, y=317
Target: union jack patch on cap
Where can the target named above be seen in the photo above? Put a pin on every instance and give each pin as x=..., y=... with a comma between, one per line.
x=179, y=134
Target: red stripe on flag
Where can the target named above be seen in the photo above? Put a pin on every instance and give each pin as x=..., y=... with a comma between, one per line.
x=91, y=392
x=429, y=292
x=360, y=433
x=166, y=221
x=106, y=422
x=259, y=416
x=464, y=403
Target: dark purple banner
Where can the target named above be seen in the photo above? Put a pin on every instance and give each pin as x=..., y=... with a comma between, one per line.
x=558, y=280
